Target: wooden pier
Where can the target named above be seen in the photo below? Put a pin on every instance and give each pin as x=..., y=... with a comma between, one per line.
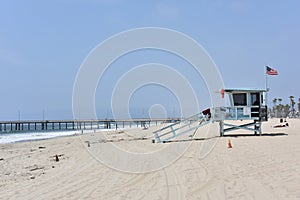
x=57, y=125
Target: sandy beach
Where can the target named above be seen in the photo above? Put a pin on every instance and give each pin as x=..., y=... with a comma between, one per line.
x=257, y=167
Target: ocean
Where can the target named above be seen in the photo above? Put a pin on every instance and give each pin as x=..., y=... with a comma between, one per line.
x=19, y=136
x=26, y=136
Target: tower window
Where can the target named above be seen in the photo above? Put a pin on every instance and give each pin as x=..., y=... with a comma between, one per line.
x=240, y=99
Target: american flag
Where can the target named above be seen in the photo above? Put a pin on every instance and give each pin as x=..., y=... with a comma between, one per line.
x=271, y=71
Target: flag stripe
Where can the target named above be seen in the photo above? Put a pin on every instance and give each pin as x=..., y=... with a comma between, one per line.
x=271, y=71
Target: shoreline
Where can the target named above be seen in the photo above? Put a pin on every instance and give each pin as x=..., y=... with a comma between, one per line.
x=63, y=134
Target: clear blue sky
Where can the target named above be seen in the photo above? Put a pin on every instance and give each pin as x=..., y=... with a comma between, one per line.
x=43, y=43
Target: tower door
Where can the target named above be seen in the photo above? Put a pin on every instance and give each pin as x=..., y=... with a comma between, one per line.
x=255, y=99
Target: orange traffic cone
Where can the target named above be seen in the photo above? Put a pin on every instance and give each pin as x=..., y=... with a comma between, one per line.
x=229, y=144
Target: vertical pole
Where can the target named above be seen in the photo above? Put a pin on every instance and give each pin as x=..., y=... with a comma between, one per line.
x=221, y=128
x=260, y=128
x=267, y=89
x=255, y=127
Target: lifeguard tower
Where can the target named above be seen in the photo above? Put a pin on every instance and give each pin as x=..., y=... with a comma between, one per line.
x=247, y=105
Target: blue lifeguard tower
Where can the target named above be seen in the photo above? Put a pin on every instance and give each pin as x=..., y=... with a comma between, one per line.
x=247, y=105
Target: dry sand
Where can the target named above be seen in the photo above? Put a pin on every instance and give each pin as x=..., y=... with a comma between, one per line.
x=265, y=167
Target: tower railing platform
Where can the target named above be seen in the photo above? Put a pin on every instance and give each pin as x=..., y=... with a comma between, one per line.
x=224, y=115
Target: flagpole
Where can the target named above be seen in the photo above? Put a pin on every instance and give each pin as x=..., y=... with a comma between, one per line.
x=267, y=89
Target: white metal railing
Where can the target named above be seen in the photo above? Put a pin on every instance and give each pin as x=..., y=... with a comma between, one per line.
x=182, y=127
x=235, y=113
